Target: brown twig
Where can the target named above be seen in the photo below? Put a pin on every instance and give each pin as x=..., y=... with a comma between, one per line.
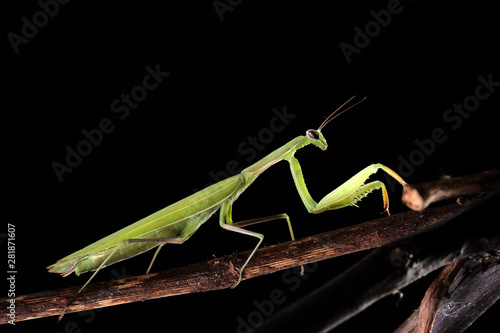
x=222, y=273
x=420, y=196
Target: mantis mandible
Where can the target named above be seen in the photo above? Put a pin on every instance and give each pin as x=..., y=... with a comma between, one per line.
x=179, y=221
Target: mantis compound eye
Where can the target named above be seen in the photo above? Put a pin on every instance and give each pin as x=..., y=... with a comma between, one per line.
x=312, y=134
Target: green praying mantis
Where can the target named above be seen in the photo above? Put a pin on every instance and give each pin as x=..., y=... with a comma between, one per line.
x=179, y=221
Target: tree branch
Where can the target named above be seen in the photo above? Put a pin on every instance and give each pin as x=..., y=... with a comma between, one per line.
x=420, y=196
x=222, y=273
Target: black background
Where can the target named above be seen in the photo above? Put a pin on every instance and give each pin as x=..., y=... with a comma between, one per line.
x=226, y=77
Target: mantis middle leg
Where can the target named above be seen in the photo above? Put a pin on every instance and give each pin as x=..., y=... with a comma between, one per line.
x=227, y=223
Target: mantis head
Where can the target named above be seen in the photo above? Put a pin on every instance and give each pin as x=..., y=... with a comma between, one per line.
x=316, y=137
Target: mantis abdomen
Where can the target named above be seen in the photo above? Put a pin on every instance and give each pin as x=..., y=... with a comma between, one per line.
x=173, y=224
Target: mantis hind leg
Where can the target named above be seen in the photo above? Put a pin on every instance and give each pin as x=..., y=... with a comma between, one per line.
x=162, y=241
x=187, y=232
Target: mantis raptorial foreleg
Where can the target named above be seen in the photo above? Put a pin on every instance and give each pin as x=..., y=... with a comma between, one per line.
x=346, y=194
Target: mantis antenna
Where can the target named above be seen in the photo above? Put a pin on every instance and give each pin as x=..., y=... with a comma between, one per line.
x=335, y=113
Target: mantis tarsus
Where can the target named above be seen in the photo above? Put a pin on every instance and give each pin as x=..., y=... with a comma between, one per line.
x=177, y=222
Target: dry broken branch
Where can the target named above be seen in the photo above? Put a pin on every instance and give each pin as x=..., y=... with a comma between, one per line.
x=420, y=196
